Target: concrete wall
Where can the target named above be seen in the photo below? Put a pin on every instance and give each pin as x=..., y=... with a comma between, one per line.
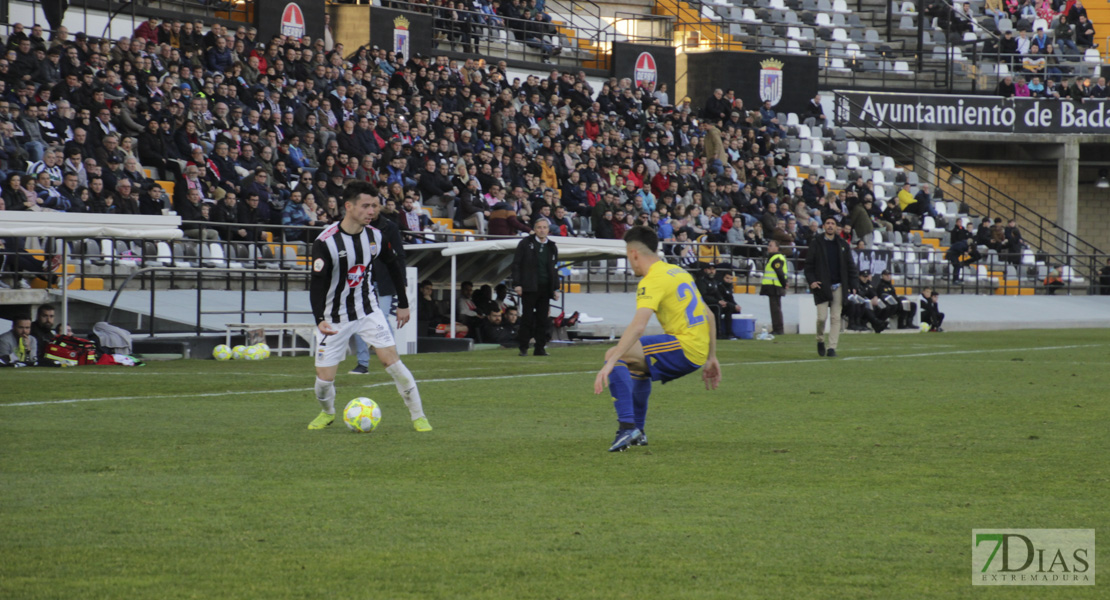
x=610, y=8
x=1036, y=187
x=352, y=25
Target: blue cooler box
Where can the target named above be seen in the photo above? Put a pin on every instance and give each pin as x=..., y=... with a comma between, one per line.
x=743, y=326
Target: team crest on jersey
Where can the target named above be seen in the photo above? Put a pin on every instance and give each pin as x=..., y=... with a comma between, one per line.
x=355, y=275
x=318, y=265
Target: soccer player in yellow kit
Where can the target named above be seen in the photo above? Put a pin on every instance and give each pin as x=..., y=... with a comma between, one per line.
x=687, y=344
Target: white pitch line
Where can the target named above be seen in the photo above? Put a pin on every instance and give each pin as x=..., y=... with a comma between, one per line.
x=558, y=374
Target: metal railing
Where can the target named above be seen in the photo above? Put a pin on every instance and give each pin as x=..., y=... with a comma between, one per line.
x=980, y=196
x=199, y=274
x=226, y=12
x=914, y=264
x=469, y=32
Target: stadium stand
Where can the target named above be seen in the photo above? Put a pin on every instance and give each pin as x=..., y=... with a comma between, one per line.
x=876, y=42
x=251, y=140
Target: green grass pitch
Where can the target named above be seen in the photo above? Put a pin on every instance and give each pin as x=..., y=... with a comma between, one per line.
x=856, y=477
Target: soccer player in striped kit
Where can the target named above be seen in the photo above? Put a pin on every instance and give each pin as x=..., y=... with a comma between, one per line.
x=344, y=304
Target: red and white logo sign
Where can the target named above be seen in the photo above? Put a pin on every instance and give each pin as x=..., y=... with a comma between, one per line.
x=292, y=21
x=355, y=275
x=645, y=73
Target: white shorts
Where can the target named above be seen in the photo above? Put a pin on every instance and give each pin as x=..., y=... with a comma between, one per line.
x=373, y=329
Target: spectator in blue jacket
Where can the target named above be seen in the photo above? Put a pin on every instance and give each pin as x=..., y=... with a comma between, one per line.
x=297, y=214
x=219, y=59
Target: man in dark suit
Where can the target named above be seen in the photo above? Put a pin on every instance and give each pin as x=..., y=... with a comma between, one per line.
x=832, y=275
x=537, y=284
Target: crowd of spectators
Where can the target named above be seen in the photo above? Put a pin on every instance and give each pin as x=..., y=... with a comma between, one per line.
x=1042, y=50
x=465, y=24
x=257, y=134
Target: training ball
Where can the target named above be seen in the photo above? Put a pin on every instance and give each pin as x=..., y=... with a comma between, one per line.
x=264, y=349
x=238, y=352
x=221, y=352
x=925, y=328
x=362, y=415
x=252, y=353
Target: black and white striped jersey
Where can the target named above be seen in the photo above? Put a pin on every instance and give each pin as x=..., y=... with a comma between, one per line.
x=342, y=264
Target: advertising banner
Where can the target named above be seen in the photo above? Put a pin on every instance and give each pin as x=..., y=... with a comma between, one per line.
x=403, y=32
x=647, y=66
x=985, y=114
x=788, y=81
x=294, y=19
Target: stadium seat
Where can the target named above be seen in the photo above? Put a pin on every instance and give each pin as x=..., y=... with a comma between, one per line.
x=907, y=23
x=749, y=16
x=837, y=64
x=1040, y=24
x=840, y=35
x=878, y=178
x=902, y=67
x=1092, y=56
x=162, y=254
x=909, y=8
x=853, y=161
x=823, y=20
x=212, y=255
x=840, y=6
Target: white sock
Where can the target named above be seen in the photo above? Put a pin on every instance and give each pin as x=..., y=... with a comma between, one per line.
x=406, y=385
x=325, y=394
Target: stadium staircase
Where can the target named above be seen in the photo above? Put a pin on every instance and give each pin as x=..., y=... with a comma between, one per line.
x=897, y=155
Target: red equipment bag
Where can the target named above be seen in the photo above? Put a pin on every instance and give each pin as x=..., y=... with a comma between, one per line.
x=72, y=350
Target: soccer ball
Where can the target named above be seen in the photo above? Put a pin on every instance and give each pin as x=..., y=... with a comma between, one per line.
x=238, y=352
x=925, y=328
x=221, y=352
x=362, y=415
x=264, y=350
x=252, y=353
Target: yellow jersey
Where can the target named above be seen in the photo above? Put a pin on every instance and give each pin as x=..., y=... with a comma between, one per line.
x=671, y=292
